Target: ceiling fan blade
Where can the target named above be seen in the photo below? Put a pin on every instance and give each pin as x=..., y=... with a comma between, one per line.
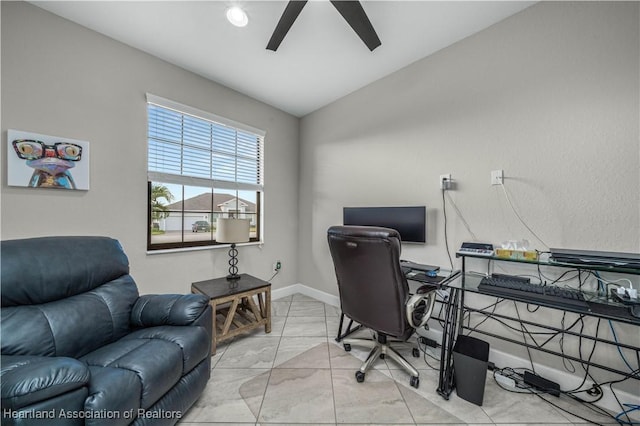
x=355, y=16
x=291, y=12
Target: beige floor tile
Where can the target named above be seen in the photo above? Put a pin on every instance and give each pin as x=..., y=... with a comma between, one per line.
x=216, y=423
x=302, y=352
x=331, y=311
x=332, y=327
x=301, y=395
x=302, y=298
x=305, y=327
x=298, y=375
x=232, y=395
x=574, y=407
x=499, y=406
x=291, y=424
x=280, y=308
x=461, y=409
x=377, y=399
x=306, y=309
x=250, y=352
x=425, y=411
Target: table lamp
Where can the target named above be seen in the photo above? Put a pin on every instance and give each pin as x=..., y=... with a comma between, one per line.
x=232, y=230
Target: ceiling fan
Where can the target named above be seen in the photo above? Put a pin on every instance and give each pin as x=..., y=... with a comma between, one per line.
x=350, y=10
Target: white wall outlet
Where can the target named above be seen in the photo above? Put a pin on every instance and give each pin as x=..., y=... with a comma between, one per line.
x=497, y=177
x=445, y=181
x=277, y=265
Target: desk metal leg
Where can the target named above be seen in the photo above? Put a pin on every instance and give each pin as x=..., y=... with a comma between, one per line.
x=340, y=335
x=449, y=333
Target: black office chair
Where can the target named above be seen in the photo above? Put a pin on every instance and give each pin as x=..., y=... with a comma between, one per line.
x=374, y=291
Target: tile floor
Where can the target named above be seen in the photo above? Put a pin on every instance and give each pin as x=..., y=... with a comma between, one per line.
x=298, y=374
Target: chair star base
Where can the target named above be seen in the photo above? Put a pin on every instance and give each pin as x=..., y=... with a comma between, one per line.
x=380, y=348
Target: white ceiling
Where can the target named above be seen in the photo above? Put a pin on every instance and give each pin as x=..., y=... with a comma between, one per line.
x=320, y=60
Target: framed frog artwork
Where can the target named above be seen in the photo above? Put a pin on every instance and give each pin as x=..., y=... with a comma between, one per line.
x=41, y=161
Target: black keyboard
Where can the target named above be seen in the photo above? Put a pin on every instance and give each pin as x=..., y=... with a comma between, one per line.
x=533, y=293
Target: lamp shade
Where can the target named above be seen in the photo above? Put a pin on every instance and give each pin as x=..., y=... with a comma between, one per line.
x=230, y=230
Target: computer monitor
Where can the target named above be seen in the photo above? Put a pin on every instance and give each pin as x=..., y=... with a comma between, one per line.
x=409, y=221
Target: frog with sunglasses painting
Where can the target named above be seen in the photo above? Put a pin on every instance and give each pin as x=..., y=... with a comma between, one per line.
x=51, y=163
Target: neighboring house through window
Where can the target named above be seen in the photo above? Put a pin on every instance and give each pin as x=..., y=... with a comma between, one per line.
x=200, y=167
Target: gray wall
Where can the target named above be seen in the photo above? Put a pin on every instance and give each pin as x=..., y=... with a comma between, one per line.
x=550, y=95
x=61, y=79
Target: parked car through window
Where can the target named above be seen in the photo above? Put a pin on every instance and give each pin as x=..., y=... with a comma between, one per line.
x=201, y=225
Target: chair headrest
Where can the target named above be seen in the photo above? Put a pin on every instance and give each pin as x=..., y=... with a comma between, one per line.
x=363, y=232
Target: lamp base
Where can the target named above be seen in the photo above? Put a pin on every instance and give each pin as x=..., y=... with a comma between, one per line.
x=233, y=276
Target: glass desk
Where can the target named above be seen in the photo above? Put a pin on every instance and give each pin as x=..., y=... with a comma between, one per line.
x=600, y=306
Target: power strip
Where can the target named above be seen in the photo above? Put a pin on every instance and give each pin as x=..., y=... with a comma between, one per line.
x=505, y=381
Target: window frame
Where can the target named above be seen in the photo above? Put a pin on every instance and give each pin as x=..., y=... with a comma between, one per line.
x=213, y=184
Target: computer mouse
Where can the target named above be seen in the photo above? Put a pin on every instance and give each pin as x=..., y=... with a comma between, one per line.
x=432, y=274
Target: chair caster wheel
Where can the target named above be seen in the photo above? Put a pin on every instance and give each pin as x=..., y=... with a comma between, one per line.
x=347, y=347
x=381, y=356
x=359, y=376
x=415, y=352
x=415, y=381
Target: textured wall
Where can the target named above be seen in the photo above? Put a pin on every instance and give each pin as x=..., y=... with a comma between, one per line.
x=550, y=95
x=61, y=79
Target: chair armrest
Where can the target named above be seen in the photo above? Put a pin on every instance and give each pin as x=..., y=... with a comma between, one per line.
x=168, y=309
x=28, y=379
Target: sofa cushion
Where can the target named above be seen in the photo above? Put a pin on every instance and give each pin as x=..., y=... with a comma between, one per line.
x=111, y=390
x=193, y=342
x=62, y=328
x=157, y=363
x=29, y=379
x=41, y=270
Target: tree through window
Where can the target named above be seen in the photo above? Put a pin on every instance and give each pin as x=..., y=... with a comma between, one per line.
x=200, y=167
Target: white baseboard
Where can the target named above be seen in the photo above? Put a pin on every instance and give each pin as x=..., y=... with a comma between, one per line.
x=327, y=298
x=281, y=293
x=500, y=359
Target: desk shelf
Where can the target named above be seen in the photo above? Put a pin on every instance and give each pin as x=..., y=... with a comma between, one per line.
x=547, y=262
x=601, y=307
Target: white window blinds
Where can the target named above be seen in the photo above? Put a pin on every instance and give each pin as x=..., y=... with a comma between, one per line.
x=192, y=147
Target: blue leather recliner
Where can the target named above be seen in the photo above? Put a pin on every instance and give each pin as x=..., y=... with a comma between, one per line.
x=81, y=347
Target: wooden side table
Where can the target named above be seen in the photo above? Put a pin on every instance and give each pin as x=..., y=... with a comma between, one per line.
x=234, y=308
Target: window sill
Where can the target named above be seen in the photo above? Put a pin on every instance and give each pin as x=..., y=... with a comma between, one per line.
x=217, y=246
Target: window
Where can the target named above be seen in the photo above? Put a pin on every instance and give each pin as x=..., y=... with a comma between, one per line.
x=200, y=167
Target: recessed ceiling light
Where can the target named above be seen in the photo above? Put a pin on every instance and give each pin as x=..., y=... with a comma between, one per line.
x=237, y=16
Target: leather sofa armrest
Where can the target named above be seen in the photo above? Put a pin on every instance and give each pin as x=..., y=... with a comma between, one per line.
x=29, y=379
x=168, y=309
